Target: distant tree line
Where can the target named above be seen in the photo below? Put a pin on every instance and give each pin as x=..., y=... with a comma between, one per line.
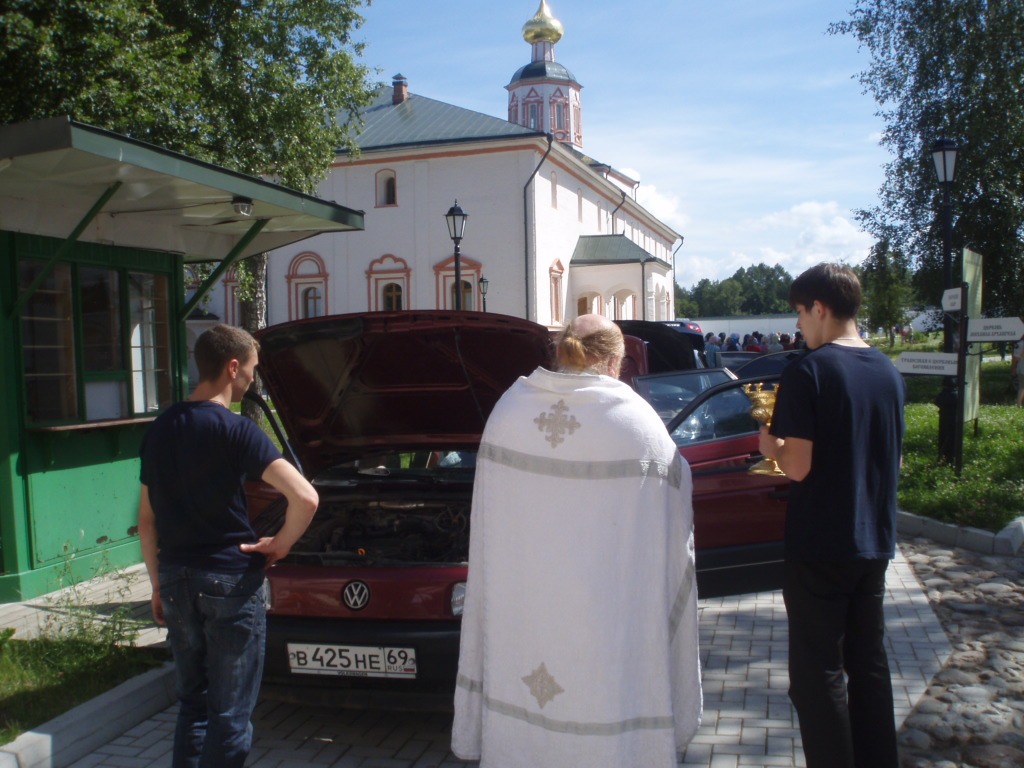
x=756, y=290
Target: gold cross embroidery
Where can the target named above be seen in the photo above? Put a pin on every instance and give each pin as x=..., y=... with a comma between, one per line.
x=557, y=423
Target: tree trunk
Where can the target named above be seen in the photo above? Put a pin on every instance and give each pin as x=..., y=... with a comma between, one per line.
x=254, y=317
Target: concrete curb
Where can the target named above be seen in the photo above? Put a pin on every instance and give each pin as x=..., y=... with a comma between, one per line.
x=1007, y=542
x=82, y=730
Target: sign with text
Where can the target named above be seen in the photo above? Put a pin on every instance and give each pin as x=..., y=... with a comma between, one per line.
x=927, y=363
x=995, y=329
x=951, y=300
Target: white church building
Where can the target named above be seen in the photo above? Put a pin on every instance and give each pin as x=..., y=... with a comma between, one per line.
x=551, y=233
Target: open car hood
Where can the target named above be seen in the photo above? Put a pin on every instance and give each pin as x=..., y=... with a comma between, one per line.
x=347, y=384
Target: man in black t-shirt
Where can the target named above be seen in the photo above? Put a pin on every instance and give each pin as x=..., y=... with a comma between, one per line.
x=204, y=561
x=837, y=432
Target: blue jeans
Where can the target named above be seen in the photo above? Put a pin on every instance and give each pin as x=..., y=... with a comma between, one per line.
x=839, y=678
x=216, y=626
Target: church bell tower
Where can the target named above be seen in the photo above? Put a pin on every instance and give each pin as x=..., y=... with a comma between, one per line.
x=544, y=95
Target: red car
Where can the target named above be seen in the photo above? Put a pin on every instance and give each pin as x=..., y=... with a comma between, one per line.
x=383, y=413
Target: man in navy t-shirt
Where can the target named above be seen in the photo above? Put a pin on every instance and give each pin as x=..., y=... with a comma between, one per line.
x=837, y=432
x=204, y=561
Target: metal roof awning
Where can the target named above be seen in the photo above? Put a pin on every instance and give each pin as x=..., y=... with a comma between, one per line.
x=593, y=250
x=68, y=180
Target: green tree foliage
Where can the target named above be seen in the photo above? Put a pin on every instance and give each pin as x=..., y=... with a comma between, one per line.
x=756, y=290
x=949, y=68
x=886, y=280
x=252, y=85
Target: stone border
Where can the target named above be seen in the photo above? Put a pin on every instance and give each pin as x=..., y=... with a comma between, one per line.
x=80, y=731
x=1007, y=542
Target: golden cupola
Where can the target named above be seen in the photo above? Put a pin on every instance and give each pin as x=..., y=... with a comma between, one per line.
x=543, y=27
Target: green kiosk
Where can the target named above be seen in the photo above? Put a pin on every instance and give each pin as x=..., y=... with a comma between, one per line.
x=95, y=232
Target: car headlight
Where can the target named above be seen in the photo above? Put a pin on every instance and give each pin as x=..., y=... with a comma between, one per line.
x=458, y=598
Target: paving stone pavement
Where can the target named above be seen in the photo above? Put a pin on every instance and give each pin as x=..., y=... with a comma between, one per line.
x=748, y=720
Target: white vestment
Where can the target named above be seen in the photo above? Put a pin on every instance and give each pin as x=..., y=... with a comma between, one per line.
x=579, y=636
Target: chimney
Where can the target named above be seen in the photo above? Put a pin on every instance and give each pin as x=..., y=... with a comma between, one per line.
x=401, y=92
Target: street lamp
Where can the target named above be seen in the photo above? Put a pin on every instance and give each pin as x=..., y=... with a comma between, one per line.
x=484, y=284
x=944, y=152
x=456, y=219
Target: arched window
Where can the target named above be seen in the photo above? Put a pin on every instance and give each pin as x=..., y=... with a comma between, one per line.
x=391, y=294
x=513, y=109
x=532, y=107
x=387, y=284
x=312, y=302
x=444, y=279
x=467, y=295
x=554, y=189
x=307, y=287
x=387, y=188
x=579, y=205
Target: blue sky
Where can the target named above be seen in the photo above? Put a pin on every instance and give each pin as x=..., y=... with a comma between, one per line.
x=743, y=120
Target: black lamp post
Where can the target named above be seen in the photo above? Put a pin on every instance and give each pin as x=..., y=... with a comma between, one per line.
x=456, y=219
x=944, y=152
x=484, y=284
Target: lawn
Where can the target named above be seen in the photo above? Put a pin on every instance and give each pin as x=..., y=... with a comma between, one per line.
x=43, y=678
x=990, y=490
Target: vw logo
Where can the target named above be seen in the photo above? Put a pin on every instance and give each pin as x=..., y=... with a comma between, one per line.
x=356, y=595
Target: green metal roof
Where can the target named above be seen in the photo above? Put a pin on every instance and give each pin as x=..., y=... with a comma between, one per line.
x=419, y=120
x=52, y=172
x=609, y=249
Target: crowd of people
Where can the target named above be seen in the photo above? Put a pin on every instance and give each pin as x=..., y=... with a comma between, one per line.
x=751, y=342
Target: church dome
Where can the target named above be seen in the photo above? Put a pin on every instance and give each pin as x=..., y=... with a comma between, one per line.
x=542, y=70
x=543, y=27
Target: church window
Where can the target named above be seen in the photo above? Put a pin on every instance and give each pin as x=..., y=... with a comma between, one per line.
x=387, y=188
x=392, y=296
x=534, y=118
x=312, y=302
x=387, y=284
x=469, y=273
x=307, y=287
x=579, y=205
x=554, y=189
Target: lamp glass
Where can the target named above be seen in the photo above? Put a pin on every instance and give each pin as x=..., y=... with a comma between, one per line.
x=484, y=282
x=456, y=219
x=944, y=154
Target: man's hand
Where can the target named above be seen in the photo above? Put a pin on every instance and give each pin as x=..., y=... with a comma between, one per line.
x=157, y=607
x=272, y=549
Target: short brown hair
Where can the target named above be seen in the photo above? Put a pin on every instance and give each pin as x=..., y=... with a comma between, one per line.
x=219, y=345
x=834, y=285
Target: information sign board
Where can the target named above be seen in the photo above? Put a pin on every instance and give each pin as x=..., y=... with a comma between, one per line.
x=927, y=363
x=995, y=329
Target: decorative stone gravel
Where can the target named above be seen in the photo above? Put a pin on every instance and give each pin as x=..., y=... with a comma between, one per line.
x=972, y=715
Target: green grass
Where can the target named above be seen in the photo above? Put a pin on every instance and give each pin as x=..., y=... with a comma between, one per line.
x=990, y=490
x=43, y=678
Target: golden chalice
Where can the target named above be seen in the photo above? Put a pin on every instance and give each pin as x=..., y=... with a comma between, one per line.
x=763, y=405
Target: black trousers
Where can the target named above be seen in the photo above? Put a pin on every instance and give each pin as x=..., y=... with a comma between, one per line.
x=839, y=679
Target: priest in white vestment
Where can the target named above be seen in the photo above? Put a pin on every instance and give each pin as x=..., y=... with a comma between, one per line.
x=579, y=635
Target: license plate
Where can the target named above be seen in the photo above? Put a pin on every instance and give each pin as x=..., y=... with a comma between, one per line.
x=351, y=660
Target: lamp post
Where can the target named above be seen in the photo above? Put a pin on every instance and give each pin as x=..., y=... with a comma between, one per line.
x=484, y=284
x=456, y=219
x=944, y=152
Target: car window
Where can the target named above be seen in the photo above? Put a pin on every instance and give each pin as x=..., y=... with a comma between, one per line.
x=725, y=413
x=669, y=393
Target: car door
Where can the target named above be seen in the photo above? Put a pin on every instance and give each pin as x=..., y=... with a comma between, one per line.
x=739, y=516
